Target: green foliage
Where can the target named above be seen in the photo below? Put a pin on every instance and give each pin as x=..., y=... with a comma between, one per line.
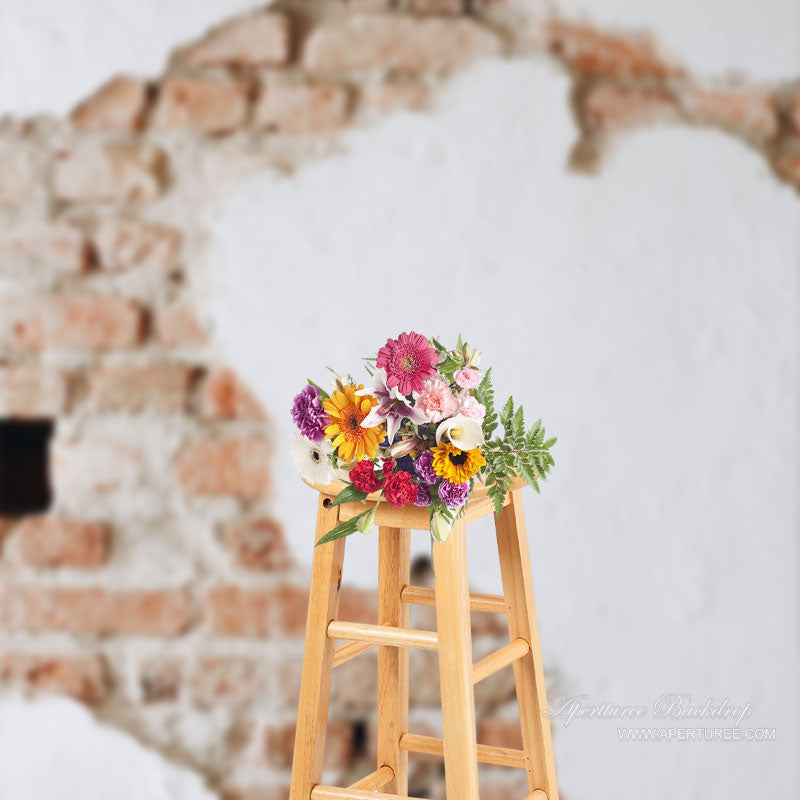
x=345, y=528
x=484, y=394
x=322, y=392
x=518, y=452
x=348, y=495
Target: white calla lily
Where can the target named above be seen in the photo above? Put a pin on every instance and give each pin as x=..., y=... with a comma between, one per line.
x=463, y=432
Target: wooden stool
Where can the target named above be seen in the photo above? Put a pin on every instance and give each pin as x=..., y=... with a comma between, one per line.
x=453, y=640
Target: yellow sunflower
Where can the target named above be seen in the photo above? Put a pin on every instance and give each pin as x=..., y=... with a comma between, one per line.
x=346, y=412
x=456, y=466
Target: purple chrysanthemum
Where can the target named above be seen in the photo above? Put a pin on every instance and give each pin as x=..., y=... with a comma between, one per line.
x=309, y=415
x=423, y=466
x=453, y=495
x=423, y=498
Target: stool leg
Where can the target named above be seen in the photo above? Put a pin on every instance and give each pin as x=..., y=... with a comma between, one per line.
x=455, y=666
x=393, y=573
x=315, y=685
x=515, y=567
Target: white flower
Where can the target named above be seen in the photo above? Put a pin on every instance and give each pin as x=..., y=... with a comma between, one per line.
x=312, y=459
x=440, y=528
x=463, y=432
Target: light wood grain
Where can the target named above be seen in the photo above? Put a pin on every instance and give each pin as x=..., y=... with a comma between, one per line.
x=315, y=684
x=487, y=754
x=343, y=653
x=332, y=793
x=455, y=665
x=539, y=794
x=375, y=781
x=514, y=650
x=394, y=563
x=421, y=595
x=515, y=569
x=382, y=634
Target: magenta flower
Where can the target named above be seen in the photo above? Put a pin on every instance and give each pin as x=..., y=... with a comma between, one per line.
x=423, y=498
x=309, y=415
x=423, y=466
x=408, y=361
x=392, y=408
x=453, y=495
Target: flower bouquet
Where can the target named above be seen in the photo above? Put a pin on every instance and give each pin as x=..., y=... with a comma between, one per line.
x=422, y=434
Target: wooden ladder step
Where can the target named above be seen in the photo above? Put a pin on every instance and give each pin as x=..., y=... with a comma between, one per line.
x=422, y=596
x=487, y=754
x=343, y=653
x=537, y=794
x=375, y=780
x=382, y=634
x=320, y=792
x=513, y=651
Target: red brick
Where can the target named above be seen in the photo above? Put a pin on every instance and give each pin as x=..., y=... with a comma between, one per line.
x=83, y=677
x=76, y=321
x=162, y=388
x=787, y=165
x=212, y=105
x=112, y=172
x=392, y=94
x=160, y=680
x=228, y=681
x=794, y=114
x=258, y=39
x=339, y=741
x=254, y=792
x=238, y=611
x=438, y=7
x=752, y=111
x=95, y=465
x=117, y=105
x=63, y=247
x=125, y=243
x=33, y=391
x=145, y=612
x=388, y=42
x=302, y=108
x=224, y=396
x=14, y=177
x=228, y=466
x=593, y=52
x=500, y=733
x=54, y=542
x=609, y=107
x=179, y=325
x=258, y=544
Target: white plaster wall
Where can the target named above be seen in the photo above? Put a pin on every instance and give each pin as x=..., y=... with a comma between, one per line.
x=664, y=350
x=649, y=314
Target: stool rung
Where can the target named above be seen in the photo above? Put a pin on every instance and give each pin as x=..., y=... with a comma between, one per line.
x=320, y=792
x=422, y=596
x=487, y=754
x=375, y=780
x=512, y=652
x=537, y=794
x=383, y=634
x=342, y=654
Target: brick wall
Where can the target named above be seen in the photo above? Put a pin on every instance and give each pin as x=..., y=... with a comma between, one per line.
x=158, y=588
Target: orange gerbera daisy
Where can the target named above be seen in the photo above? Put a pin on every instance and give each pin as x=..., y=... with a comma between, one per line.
x=346, y=411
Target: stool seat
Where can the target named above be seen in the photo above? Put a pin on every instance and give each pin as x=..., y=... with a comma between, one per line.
x=452, y=640
x=412, y=517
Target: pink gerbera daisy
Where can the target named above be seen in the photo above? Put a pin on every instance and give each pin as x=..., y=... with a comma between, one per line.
x=408, y=361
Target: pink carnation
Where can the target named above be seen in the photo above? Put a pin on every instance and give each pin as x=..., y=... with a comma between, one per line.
x=468, y=406
x=467, y=378
x=437, y=400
